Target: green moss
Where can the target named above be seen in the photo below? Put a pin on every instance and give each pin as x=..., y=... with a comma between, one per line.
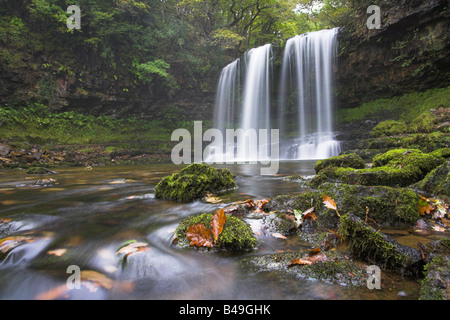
x=408, y=157
x=437, y=181
x=371, y=246
x=194, y=182
x=345, y=161
x=398, y=167
x=237, y=235
x=389, y=127
x=436, y=284
x=386, y=205
x=405, y=108
x=442, y=153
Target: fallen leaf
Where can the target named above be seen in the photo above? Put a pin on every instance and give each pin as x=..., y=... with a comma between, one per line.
x=308, y=260
x=210, y=199
x=310, y=214
x=53, y=293
x=199, y=236
x=423, y=210
x=9, y=243
x=438, y=228
x=330, y=204
x=218, y=220
x=97, y=278
x=446, y=222
x=278, y=235
x=260, y=204
x=57, y=252
x=5, y=220
x=300, y=261
x=131, y=247
x=314, y=251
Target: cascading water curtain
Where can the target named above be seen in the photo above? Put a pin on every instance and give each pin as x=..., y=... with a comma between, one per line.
x=306, y=95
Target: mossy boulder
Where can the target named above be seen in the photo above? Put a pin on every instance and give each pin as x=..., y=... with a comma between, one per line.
x=436, y=282
x=351, y=160
x=237, y=235
x=437, y=182
x=385, y=205
x=389, y=128
x=374, y=247
x=442, y=152
x=194, y=182
x=395, y=168
x=279, y=223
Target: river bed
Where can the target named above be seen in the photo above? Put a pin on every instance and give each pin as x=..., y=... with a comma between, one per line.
x=89, y=213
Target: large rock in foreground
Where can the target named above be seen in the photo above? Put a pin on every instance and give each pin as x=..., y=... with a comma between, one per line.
x=194, y=182
x=237, y=235
x=371, y=246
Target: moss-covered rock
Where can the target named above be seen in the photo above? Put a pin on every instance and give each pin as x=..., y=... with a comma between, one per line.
x=398, y=167
x=279, y=223
x=389, y=128
x=374, y=247
x=407, y=157
x=385, y=205
x=442, y=153
x=437, y=182
x=351, y=160
x=237, y=235
x=194, y=182
x=436, y=282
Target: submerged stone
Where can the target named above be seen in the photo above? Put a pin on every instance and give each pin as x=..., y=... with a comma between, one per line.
x=333, y=267
x=39, y=170
x=373, y=247
x=279, y=223
x=237, y=235
x=194, y=182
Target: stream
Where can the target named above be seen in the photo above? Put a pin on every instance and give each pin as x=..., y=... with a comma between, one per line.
x=90, y=213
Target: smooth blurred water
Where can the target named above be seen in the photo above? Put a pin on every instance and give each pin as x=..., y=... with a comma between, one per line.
x=90, y=213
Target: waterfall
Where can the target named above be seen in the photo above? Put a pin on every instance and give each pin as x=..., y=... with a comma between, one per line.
x=304, y=114
x=227, y=96
x=256, y=94
x=306, y=94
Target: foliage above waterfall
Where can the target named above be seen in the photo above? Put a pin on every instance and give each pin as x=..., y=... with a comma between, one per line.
x=169, y=44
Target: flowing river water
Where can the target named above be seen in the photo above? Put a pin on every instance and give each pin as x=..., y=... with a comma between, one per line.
x=90, y=213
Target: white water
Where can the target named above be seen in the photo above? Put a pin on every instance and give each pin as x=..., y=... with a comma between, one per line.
x=305, y=108
x=307, y=73
x=226, y=97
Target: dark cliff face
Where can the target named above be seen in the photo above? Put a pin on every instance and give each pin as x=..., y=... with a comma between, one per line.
x=409, y=52
x=86, y=84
